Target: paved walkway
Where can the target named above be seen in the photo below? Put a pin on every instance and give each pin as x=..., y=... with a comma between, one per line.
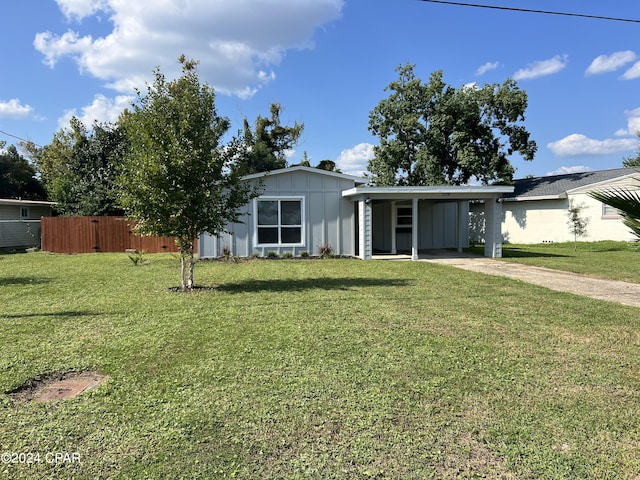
x=610, y=290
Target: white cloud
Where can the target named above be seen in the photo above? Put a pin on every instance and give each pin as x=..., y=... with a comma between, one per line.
x=633, y=72
x=577, y=144
x=101, y=110
x=79, y=9
x=54, y=47
x=15, y=109
x=487, y=67
x=238, y=43
x=633, y=123
x=610, y=63
x=571, y=169
x=542, y=68
x=354, y=161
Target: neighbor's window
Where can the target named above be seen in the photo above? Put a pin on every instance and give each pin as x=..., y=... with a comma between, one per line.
x=279, y=221
x=609, y=211
x=24, y=212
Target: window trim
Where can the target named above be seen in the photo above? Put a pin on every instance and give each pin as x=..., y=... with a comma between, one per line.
x=279, y=199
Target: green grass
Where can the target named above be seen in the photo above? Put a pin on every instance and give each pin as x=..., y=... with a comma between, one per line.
x=315, y=369
x=612, y=260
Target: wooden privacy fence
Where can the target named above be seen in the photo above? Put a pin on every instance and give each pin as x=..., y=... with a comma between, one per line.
x=98, y=234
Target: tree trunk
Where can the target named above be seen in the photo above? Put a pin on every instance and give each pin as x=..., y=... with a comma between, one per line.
x=191, y=264
x=183, y=270
x=186, y=264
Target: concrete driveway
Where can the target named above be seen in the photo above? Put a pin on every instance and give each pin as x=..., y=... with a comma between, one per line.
x=610, y=290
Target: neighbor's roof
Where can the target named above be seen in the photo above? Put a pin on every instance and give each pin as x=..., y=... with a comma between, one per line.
x=557, y=186
x=319, y=171
x=16, y=201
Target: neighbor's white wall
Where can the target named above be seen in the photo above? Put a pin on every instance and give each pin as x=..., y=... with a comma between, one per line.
x=547, y=221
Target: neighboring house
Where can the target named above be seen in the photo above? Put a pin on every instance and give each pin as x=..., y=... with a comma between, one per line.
x=303, y=209
x=20, y=222
x=537, y=210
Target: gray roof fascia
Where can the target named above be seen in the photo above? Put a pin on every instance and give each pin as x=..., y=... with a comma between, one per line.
x=460, y=192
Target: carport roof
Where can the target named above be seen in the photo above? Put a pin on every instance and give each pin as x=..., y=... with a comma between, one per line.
x=463, y=192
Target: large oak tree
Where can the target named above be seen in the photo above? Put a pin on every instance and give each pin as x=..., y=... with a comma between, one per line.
x=433, y=134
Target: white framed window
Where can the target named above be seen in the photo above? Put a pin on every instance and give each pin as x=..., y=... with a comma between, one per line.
x=24, y=212
x=279, y=221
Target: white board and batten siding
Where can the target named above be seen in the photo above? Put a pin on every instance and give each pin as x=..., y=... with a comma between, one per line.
x=327, y=219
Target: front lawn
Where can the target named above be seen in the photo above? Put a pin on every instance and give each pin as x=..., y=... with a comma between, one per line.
x=315, y=369
x=612, y=260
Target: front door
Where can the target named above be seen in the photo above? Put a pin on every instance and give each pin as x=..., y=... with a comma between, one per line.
x=404, y=220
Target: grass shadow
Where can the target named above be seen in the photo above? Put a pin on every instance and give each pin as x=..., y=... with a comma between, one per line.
x=517, y=252
x=6, y=281
x=69, y=313
x=323, y=283
x=520, y=253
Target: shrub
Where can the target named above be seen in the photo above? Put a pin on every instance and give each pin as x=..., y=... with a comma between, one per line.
x=287, y=255
x=304, y=254
x=137, y=258
x=326, y=251
x=272, y=254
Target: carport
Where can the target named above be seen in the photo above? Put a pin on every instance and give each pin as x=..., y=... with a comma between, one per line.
x=394, y=219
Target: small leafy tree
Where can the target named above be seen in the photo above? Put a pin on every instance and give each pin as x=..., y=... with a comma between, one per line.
x=627, y=201
x=577, y=223
x=18, y=176
x=79, y=168
x=175, y=178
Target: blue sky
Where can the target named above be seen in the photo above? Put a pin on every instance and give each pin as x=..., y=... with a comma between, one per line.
x=327, y=62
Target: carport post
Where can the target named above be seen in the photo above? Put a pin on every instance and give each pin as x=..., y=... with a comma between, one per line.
x=394, y=214
x=365, y=229
x=493, y=227
x=463, y=225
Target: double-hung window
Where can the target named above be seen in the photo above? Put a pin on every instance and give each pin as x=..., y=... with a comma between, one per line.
x=279, y=220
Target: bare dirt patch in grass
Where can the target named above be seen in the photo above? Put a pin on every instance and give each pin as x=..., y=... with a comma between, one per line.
x=57, y=386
